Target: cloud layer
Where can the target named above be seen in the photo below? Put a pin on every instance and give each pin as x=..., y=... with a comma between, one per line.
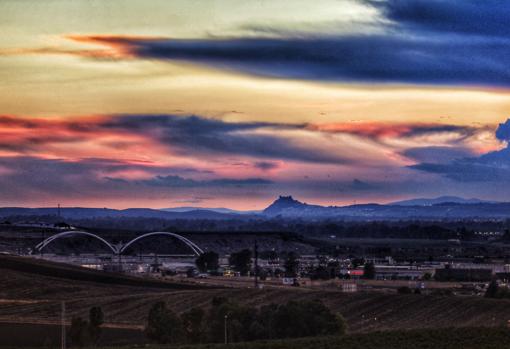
x=490, y=167
x=155, y=156
x=419, y=42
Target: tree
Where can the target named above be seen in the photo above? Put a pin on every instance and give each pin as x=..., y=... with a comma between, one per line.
x=241, y=322
x=96, y=319
x=79, y=332
x=163, y=325
x=291, y=264
x=241, y=261
x=319, y=273
x=369, y=271
x=193, y=323
x=492, y=290
x=207, y=261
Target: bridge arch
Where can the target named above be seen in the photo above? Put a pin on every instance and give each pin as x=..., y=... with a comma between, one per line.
x=52, y=238
x=194, y=247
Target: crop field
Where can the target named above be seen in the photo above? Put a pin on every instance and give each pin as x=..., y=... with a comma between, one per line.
x=18, y=335
x=35, y=298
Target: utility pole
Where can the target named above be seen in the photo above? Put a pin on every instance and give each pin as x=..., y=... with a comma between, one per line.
x=63, y=325
x=226, y=332
x=119, y=262
x=256, y=269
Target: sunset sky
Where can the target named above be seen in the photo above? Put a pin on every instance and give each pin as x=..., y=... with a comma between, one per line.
x=231, y=103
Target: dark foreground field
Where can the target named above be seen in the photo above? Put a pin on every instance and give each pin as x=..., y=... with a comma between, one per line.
x=31, y=297
x=18, y=335
x=454, y=338
x=467, y=338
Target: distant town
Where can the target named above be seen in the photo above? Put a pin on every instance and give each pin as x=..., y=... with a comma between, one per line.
x=455, y=255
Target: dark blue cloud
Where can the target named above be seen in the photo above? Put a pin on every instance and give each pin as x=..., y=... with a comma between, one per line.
x=503, y=131
x=181, y=182
x=198, y=136
x=359, y=185
x=466, y=17
x=467, y=170
x=491, y=167
x=32, y=177
x=436, y=154
x=458, y=42
x=266, y=165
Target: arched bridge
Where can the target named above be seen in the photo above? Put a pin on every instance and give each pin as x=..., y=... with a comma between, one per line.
x=119, y=248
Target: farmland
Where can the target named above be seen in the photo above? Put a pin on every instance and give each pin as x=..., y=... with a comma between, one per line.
x=34, y=297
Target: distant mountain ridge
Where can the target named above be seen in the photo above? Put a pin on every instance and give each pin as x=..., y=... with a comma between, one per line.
x=84, y=212
x=440, y=200
x=216, y=209
x=439, y=208
x=445, y=207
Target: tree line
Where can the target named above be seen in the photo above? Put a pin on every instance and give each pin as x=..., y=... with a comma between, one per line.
x=229, y=321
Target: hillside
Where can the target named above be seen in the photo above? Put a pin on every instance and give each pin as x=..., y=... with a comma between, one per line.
x=36, y=296
x=439, y=200
x=85, y=212
x=39, y=268
x=283, y=207
x=288, y=207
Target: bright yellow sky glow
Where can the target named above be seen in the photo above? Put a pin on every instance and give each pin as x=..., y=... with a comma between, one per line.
x=41, y=78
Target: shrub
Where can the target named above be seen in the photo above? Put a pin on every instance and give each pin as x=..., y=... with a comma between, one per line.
x=193, y=324
x=96, y=319
x=163, y=325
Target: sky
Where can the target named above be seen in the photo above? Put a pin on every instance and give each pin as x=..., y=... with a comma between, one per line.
x=231, y=103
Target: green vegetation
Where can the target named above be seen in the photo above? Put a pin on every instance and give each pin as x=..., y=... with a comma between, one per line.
x=242, y=323
x=164, y=325
x=496, y=291
x=369, y=271
x=241, y=261
x=207, y=261
x=291, y=264
x=83, y=333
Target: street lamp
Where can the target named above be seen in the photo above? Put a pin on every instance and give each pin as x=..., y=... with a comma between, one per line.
x=226, y=332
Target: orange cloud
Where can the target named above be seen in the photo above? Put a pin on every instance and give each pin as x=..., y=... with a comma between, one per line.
x=119, y=47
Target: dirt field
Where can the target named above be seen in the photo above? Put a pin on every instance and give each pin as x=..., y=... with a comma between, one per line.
x=17, y=335
x=33, y=298
x=388, y=286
